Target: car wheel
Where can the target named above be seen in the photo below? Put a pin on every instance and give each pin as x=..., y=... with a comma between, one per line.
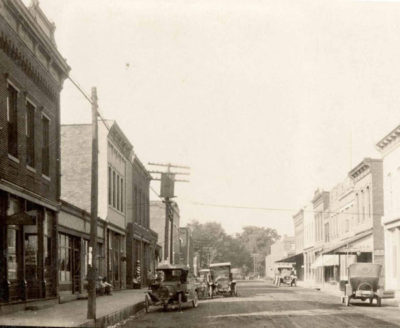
x=195, y=301
x=211, y=292
x=165, y=306
x=371, y=300
x=146, y=303
x=235, y=291
x=379, y=301
x=347, y=300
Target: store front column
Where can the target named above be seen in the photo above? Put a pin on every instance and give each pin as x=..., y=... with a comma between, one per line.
x=4, y=287
x=40, y=252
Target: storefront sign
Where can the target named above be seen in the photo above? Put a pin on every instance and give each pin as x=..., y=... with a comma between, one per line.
x=20, y=219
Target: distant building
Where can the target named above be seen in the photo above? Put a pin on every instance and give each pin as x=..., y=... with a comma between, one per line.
x=280, y=251
x=170, y=247
x=321, y=220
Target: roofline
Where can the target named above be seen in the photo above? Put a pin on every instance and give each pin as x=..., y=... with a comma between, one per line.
x=365, y=161
x=388, y=139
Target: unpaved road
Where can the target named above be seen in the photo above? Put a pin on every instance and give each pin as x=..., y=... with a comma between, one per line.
x=260, y=304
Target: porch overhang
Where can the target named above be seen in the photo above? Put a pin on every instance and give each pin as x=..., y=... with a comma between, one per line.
x=361, y=243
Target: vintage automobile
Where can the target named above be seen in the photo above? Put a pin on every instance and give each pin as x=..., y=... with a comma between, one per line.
x=173, y=286
x=204, y=283
x=363, y=283
x=287, y=275
x=222, y=281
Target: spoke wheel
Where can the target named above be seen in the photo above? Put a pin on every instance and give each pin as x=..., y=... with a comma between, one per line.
x=195, y=301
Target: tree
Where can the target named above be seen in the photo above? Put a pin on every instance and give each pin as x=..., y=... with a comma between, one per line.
x=258, y=240
x=207, y=240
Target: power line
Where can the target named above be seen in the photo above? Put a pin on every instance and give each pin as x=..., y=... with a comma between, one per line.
x=272, y=209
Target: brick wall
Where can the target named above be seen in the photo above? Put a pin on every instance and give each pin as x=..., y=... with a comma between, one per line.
x=10, y=170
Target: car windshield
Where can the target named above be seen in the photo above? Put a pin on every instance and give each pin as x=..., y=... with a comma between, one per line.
x=220, y=273
x=173, y=275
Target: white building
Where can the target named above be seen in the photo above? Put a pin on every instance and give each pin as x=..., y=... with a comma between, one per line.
x=389, y=146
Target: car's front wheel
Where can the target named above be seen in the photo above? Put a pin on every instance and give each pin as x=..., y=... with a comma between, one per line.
x=195, y=301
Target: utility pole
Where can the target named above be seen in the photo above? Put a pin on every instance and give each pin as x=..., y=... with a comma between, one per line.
x=168, y=180
x=91, y=311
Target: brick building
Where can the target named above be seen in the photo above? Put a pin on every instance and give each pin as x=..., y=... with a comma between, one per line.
x=115, y=152
x=32, y=72
x=343, y=226
x=141, y=242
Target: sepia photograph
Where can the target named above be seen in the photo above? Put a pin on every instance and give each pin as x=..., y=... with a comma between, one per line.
x=200, y=163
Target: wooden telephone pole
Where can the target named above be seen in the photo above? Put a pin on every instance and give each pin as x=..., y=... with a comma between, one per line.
x=92, y=274
x=168, y=180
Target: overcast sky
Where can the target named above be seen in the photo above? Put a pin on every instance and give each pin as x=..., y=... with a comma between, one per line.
x=266, y=100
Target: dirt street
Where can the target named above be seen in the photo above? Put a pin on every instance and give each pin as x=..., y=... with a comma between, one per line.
x=260, y=304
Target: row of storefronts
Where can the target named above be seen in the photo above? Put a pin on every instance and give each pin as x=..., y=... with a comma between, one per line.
x=359, y=221
x=45, y=173
x=340, y=227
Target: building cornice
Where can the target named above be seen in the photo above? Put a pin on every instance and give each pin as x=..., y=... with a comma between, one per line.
x=362, y=168
x=388, y=141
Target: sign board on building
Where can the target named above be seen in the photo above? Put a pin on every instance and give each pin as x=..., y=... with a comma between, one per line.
x=20, y=218
x=167, y=185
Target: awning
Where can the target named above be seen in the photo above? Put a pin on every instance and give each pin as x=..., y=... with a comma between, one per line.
x=325, y=260
x=356, y=244
x=329, y=260
x=291, y=259
x=317, y=263
x=283, y=265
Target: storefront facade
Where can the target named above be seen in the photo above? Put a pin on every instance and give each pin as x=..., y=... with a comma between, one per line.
x=31, y=76
x=73, y=250
x=28, y=235
x=389, y=147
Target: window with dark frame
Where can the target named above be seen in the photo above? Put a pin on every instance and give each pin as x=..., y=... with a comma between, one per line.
x=114, y=198
x=122, y=195
x=118, y=192
x=12, y=121
x=45, y=146
x=30, y=134
x=109, y=186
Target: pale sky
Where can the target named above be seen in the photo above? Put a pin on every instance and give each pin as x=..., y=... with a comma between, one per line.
x=266, y=100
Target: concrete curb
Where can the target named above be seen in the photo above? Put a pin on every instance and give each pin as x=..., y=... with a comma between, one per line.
x=115, y=317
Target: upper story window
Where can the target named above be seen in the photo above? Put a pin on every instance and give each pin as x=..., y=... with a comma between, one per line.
x=30, y=134
x=45, y=146
x=12, y=120
x=109, y=186
x=115, y=190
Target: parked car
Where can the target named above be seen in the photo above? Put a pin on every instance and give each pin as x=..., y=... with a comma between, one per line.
x=172, y=286
x=222, y=280
x=363, y=283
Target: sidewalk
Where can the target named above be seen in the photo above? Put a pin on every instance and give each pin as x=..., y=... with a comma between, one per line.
x=109, y=310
